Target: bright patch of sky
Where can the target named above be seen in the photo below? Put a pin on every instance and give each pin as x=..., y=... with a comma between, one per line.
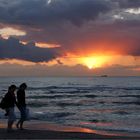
x=118, y=17
x=135, y=11
x=49, y=1
x=8, y=31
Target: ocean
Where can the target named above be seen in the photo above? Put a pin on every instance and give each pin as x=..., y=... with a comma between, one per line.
x=110, y=104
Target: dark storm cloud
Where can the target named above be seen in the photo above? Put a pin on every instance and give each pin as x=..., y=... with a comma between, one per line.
x=74, y=39
x=128, y=3
x=48, y=18
x=38, y=12
x=13, y=49
x=55, y=23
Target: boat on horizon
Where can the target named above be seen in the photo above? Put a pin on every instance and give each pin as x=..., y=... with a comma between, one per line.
x=104, y=75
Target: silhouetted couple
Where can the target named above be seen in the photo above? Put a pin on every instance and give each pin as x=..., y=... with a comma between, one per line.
x=10, y=101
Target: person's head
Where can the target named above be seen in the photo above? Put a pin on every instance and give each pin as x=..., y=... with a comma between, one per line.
x=23, y=86
x=12, y=88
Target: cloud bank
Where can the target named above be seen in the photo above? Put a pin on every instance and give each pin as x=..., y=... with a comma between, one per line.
x=78, y=26
x=39, y=12
x=13, y=49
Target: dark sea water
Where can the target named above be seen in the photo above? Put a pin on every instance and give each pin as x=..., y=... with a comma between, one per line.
x=101, y=103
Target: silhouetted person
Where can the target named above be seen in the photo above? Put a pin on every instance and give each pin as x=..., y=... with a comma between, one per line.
x=21, y=105
x=10, y=101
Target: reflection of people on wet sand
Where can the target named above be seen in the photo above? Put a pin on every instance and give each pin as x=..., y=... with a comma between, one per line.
x=9, y=104
x=21, y=105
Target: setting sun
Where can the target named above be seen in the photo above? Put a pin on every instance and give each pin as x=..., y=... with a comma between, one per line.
x=95, y=62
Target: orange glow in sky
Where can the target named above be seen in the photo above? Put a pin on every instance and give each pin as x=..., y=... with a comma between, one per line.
x=46, y=45
x=43, y=45
x=91, y=62
x=15, y=61
x=95, y=61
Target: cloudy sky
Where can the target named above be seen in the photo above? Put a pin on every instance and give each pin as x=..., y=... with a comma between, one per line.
x=69, y=37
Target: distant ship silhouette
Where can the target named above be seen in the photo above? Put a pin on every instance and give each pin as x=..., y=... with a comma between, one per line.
x=104, y=75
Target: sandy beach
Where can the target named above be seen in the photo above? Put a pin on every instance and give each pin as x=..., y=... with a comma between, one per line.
x=43, y=130
x=44, y=134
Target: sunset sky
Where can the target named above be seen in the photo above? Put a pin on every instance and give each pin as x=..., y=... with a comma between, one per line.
x=69, y=37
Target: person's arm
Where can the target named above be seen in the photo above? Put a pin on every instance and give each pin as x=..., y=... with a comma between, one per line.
x=24, y=99
x=16, y=103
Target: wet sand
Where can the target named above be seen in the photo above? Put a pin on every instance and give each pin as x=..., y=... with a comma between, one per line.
x=43, y=130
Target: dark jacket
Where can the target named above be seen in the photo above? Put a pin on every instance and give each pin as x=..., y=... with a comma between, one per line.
x=21, y=98
x=10, y=100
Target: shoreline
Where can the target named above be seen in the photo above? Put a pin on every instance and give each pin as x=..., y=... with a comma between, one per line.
x=44, y=130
